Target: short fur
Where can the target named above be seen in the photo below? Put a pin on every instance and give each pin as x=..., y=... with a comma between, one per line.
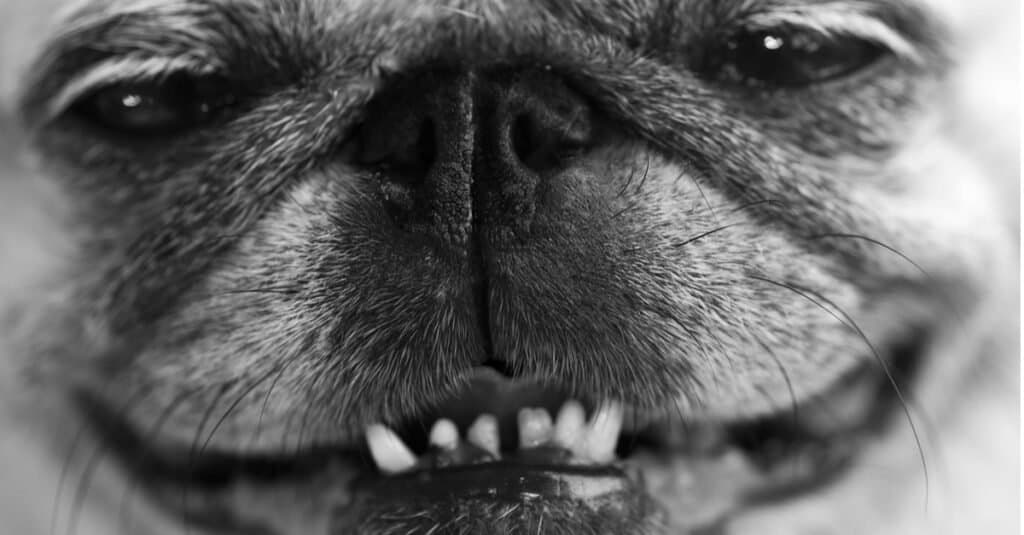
x=726, y=253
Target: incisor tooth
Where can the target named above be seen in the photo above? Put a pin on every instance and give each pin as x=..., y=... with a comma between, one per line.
x=603, y=432
x=484, y=433
x=388, y=451
x=444, y=434
x=569, y=424
x=534, y=427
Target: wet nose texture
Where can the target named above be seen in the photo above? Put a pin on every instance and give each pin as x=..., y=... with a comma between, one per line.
x=463, y=154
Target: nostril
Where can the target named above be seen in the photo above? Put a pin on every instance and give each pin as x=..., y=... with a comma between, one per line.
x=522, y=140
x=404, y=151
x=450, y=153
x=426, y=149
x=543, y=139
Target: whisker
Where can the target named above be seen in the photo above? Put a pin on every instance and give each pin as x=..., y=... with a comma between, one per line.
x=234, y=404
x=703, y=235
x=76, y=442
x=266, y=400
x=951, y=303
x=626, y=186
x=194, y=452
x=84, y=484
x=840, y=315
x=711, y=209
x=158, y=424
x=795, y=406
x=754, y=204
x=256, y=291
x=303, y=425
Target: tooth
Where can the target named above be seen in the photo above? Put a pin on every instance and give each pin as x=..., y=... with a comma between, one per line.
x=603, y=433
x=388, y=451
x=534, y=427
x=444, y=435
x=569, y=424
x=484, y=433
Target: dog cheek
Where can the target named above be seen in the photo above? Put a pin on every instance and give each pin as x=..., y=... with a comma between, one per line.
x=671, y=295
x=46, y=324
x=940, y=218
x=314, y=313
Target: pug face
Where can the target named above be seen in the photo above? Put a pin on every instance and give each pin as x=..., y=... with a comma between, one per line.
x=545, y=267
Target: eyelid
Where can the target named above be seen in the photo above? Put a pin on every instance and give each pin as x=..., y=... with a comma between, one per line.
x=119, y=70
x=838, y=22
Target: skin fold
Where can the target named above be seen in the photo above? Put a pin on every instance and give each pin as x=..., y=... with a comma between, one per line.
x=717, y=253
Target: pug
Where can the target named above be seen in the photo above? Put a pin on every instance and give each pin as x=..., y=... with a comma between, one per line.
x=456, y=267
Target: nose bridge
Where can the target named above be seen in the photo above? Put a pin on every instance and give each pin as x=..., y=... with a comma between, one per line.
x=503, y=188
x=446, y=190
x=418, y=137
x=461, y=152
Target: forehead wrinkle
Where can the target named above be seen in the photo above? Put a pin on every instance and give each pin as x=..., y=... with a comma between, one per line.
x=84, y=16
x=341, y=12
x=853, y=17
x=177, y=29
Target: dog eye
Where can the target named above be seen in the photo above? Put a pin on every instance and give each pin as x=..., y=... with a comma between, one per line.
x=153, y=108
x=788, y=57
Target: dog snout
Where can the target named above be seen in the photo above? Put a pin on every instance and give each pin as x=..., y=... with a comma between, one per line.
x=456, y=153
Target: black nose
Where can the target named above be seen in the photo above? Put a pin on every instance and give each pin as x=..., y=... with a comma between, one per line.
x=456, y=151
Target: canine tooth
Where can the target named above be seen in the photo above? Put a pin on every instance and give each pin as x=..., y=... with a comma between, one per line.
x=388, y=451
x=603, y=433
x=534, y=427
x=569, y=424
x=444, y=434
x=484, y=433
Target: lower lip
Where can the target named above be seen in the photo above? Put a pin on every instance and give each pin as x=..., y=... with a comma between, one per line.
x=503, y=481
x=444, y=497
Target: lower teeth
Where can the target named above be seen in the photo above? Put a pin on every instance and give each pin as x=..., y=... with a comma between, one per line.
x=568, y=439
